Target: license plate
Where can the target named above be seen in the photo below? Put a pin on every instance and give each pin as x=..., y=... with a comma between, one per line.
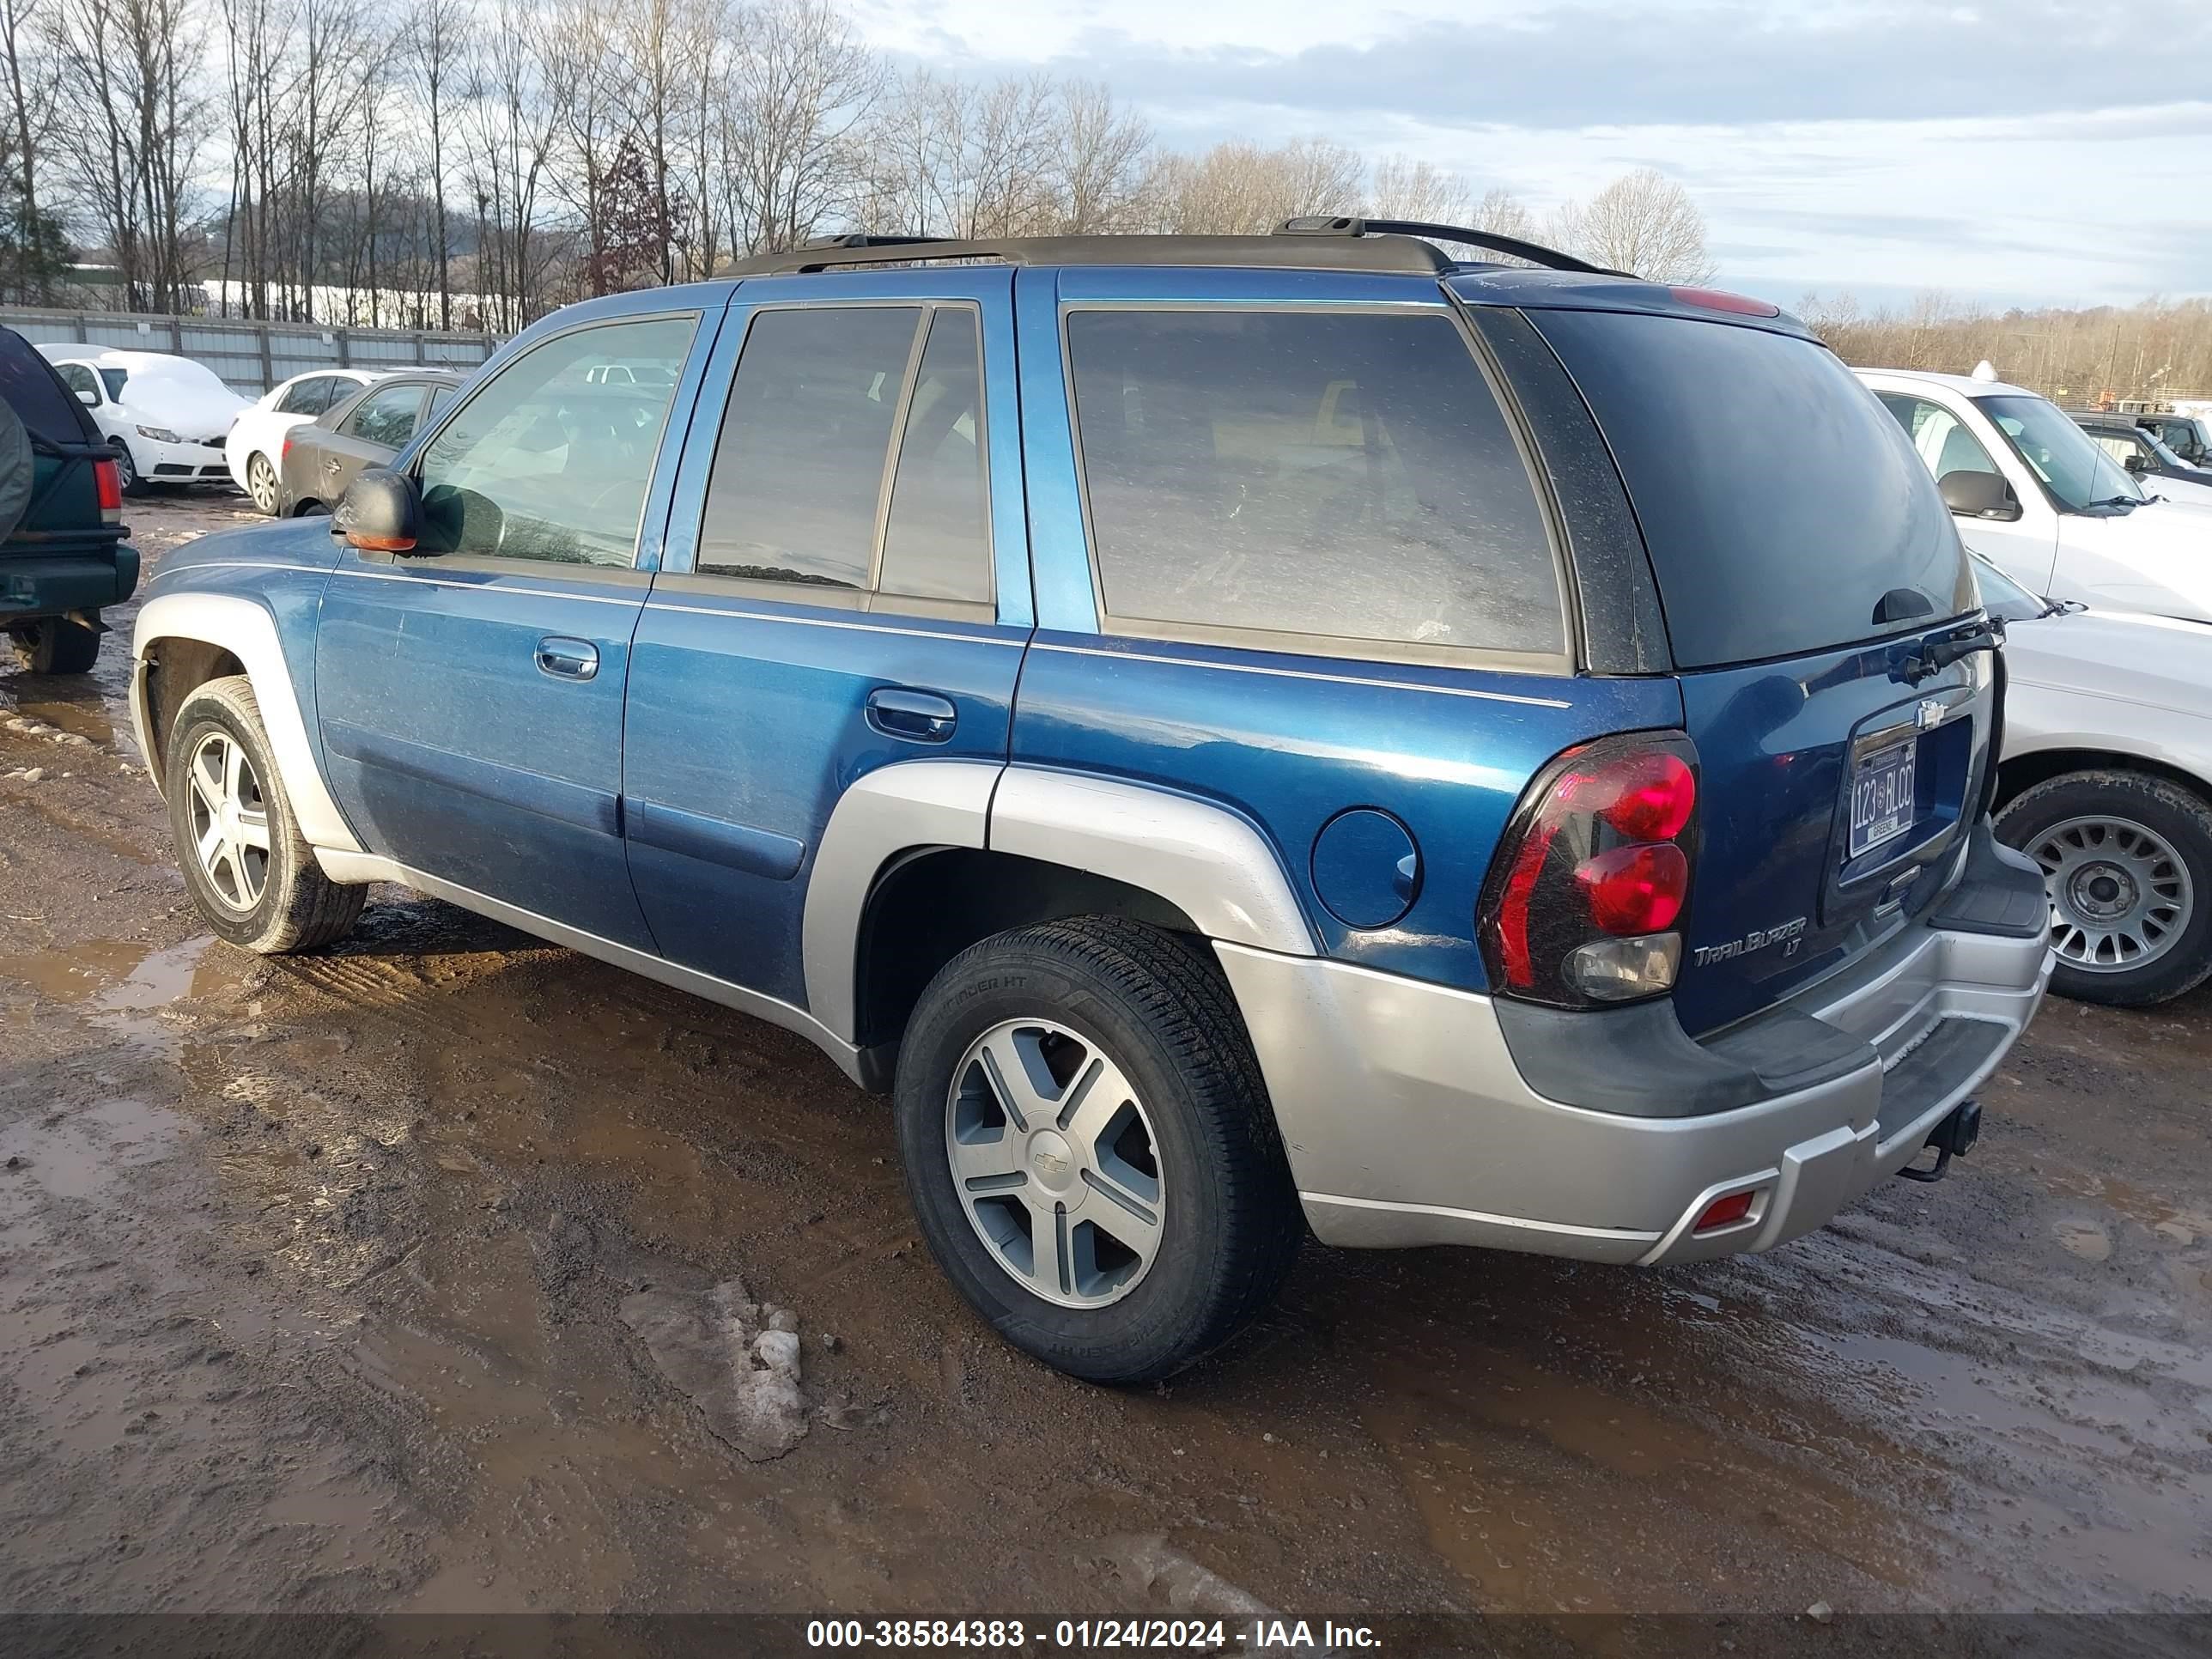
x=1883, y=795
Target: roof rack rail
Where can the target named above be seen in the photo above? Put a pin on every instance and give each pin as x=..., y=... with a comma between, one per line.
x=1403, y=247
x=1402, y=255
x=1534, y=252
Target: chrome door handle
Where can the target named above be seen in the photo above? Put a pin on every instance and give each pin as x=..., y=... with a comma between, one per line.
x=916, y=716
x=566, y=659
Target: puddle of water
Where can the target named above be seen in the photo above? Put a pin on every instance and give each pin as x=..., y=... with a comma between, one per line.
x=74, y=717
x=2175, y=1223
x=77, y=973
x=92, y=1146
x=2085, y=1239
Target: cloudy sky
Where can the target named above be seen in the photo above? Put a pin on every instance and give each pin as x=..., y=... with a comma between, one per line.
x=2012, y=151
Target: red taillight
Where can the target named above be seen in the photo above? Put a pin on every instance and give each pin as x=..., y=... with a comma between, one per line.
x=1724, y=1211
x=107, y=484
x=1714, y=299
x=1593, y=874
x=287, y=449
x=1636, y=889
x=1652, y=796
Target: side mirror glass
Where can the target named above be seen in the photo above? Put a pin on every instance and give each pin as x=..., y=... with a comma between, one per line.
x=1979, y=495
x=379, y=513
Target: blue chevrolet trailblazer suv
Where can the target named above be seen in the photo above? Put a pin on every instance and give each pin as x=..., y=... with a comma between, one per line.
x=1236, y=735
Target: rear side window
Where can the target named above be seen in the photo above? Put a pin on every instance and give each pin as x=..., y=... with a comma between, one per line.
x=851, y=455
x=310, y=397
x=387, y=417
x=1942, y=439
x=1310, y=477
x=1785, y=510
x=798, y=468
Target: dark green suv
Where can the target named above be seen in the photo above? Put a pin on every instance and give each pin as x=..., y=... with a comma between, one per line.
x=62, y=558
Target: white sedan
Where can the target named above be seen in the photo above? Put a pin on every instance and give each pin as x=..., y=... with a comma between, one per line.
x=166, y=417
x=2106, y=782
x=255, y=449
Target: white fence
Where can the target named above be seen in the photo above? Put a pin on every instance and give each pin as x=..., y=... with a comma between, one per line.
x=251, y=357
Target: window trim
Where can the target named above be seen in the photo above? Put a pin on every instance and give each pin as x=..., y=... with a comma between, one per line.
x=428, y=428
x=1344, y=647
x=864, y=597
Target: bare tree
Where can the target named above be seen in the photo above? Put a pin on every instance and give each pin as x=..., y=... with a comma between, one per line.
x=1400, y=187
x=800, y=87
x=1500, y=212
x=1643, y=223
x=1240, y=189
x=436, y=56
x=1100, y=175
x=576, y=52
x=512, y=118
x=131, y=69
x=953, y=158
x=31, y=110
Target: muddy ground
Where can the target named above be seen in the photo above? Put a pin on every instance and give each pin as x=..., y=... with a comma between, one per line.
x=312, y=1273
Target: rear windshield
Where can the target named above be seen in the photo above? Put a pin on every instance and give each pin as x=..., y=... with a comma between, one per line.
x=1785, y=510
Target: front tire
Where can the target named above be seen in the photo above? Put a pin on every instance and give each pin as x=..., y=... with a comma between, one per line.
x=2127, y=861
x=261, y=484
x=1089, y=1149
x=126, y=471
x=56, y=645
x=251, y=875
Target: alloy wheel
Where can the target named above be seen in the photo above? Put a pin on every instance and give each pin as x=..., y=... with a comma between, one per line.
x=229, y=819
x=1055, y=1163
x=261, y=484
x=2120, y=895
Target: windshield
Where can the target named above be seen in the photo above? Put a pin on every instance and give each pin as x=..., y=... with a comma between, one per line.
x=2003, y=596
x=2166, y=457
x=116, y=379
x=2073, y=469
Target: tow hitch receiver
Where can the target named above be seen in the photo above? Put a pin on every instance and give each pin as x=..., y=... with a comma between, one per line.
x=1954, y=1137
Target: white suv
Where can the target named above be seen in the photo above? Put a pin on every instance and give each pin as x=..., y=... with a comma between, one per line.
x=2032, y=493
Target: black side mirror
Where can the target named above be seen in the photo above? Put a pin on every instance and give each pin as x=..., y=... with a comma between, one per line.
x=379, y=513
x=2138, y=463
x=1978, y=495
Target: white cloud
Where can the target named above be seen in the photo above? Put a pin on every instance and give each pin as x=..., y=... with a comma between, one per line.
x=2018, y=152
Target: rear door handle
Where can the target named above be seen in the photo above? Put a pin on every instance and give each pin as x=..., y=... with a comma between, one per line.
x=566, y=659
x=916, y=716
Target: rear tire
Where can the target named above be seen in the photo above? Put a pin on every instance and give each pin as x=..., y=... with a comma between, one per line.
x=261, y=484
x=56, y=645
x=251, y=875
x=1148, y=1160
x=2126, y=859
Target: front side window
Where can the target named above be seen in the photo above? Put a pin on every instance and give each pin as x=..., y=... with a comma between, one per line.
x=2078, y=473
x=386, y=416
x=545, y=463
x=1940, y=437
x=78, y=379
x=1308, y=475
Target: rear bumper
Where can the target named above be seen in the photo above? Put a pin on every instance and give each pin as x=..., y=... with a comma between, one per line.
x=54, y=583
x=1408, y=1121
